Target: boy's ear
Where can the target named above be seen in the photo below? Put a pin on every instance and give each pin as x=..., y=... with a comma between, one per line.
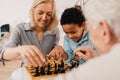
x=83, y=25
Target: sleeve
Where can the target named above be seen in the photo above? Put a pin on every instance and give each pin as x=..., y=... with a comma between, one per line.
x=67, y=49
x=57, y=38
x=13, y=41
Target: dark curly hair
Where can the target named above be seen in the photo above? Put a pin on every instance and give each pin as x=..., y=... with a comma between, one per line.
x=72, y=16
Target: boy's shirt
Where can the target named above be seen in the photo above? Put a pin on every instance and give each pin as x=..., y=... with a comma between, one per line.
x=69, y=45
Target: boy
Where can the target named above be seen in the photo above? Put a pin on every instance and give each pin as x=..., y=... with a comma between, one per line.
x=76, y=34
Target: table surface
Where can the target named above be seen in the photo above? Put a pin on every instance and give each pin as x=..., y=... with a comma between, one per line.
x=19, y=74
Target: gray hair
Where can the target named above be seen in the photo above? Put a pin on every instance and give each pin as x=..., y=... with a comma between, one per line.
x=108, y=10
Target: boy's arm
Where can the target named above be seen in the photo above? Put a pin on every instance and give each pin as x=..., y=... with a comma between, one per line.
x=67, y=48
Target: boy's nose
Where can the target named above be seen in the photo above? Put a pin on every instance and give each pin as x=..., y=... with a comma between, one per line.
x=70, y=36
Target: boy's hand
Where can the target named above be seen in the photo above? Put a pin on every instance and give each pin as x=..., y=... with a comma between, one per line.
x=85, y=52
x=57, y=53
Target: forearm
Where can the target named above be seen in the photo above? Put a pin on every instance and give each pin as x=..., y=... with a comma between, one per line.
x=11, y=53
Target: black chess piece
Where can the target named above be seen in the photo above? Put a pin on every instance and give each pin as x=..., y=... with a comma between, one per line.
x=62, y=63
x=74, y=64
x=36, y=72
x=77, y=64
x=62, y=70
x=55, y=68
x=59, y=68
x=42, y=70
x=48, y=70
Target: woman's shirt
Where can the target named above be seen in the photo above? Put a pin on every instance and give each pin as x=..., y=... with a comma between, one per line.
x=69, y=45
x=24, y=35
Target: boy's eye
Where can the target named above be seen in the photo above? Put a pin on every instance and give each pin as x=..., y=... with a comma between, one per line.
x=72, y=32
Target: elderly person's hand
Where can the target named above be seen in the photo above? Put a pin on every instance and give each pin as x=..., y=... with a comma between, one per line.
x=58, y=53
x=85, y=52
x=32, y=55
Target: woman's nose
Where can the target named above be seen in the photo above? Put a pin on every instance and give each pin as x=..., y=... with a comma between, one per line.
x=44, y=17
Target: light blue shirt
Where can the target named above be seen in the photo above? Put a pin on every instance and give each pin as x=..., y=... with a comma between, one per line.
x=69, y=45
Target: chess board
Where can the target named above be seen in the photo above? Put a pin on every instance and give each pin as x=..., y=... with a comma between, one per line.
x=49, y=70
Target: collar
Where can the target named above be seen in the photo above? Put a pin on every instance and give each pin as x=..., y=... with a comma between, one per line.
x=27, y=27
x=85, y=36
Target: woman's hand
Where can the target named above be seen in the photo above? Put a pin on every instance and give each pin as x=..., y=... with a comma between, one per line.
x=32, y=55
x=85, y=52
x=57, y=53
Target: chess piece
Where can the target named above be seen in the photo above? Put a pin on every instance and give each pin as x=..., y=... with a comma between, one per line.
x=74, y=64
x=62, y=70
x=55, y=68
x=59, y=66
x=48, y=70
x=42, y=70
x=36, y=72
x=62, y=63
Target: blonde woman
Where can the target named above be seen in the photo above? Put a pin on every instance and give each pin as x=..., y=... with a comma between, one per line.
x=36, y=38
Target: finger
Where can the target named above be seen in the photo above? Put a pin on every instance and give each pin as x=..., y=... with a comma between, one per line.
x=23, y=54
x=31, y=60
x=78, y=49
x=59, y=55
x=36, y=58
x=28, y=61
x=52, y=54
x=85, y=57
x=81, y=55
x=39, y=53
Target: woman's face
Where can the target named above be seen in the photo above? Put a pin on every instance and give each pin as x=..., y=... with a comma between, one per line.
x=42, y=14
x=73, y=31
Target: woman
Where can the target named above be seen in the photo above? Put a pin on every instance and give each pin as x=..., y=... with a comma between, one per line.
x=35, y=39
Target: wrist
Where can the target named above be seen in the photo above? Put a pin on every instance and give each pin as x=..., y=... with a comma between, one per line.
x=18, y=50
x=76, y=58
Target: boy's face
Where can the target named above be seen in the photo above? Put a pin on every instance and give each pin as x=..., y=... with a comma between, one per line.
x=73, y=31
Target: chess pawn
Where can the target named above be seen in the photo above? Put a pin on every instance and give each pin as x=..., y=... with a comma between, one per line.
x=62, y=63
x=59, y=68
x=55, y=68
x=42, y=70
x=62, y=67
x=36, y=72
x=48, y=69
x=62, y=70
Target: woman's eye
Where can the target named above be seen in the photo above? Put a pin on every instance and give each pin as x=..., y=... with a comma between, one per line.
x=49, y=14
x=40, y=13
